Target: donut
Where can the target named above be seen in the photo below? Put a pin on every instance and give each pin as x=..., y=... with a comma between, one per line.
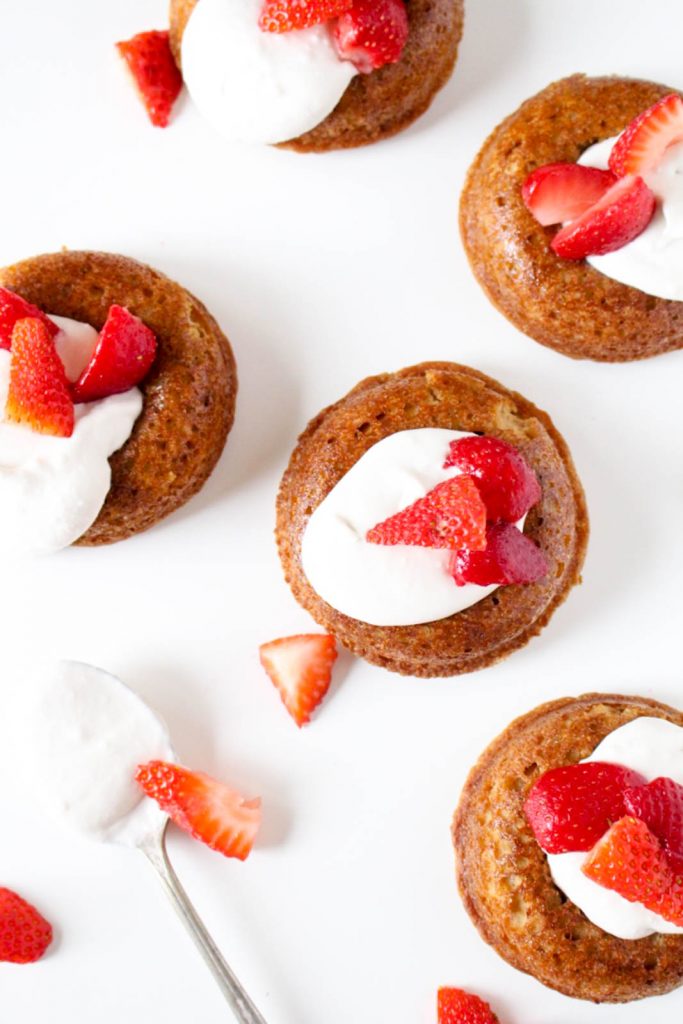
x=503, y=874
x=188, y=396
x=568, y=306
x=377, y=105
x=442, y=395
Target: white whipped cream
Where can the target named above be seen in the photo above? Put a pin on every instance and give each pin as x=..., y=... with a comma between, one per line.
x=255, y=86
x=383, y=585
x=82, y=735
x=52, y=488
x=652, y=262
x=654, y=748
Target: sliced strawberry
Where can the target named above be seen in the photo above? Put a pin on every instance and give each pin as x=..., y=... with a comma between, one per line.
x=458, y=1007
x=372, y=33
x=38, y=393
x=507, y=483
x=289, y=15
x=13, y=308
x=557, y=193
x=629, y=860
x=660, y=806
x=150, y=61
x=622, y=214
x=641, y=146
x=570, y=808
x=209, y=810
x=24, y=933
x=301, y=669
x=123, y=356
x=509, y=557
x=451, y=515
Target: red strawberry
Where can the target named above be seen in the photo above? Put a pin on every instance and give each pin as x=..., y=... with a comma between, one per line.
x=630, y=861
x=301, y=668
x=372, y=33
x=287, y=15
x=510, y=557
x=557, y=193
x=122, y=357
x=642, y=145
x=149, y=58
x=209, y=810
x=38, y=389
x=507, y=484
x=458, y=1007
x=451, y=515
x=622, y=214
x=24, y=933
x=570, y=808
x=660, y=806
x=13, y=308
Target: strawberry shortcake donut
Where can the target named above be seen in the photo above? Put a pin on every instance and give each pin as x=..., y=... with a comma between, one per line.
x=314, y=75
x=572, y=218
x=569, y=846
x=118, y=392
x=431, y=520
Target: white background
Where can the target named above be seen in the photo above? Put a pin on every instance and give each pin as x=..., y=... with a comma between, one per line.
x=321, y=269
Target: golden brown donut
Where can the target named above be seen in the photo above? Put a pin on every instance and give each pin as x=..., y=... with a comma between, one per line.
x=380, y=104
x=455, y=397
x=189, y=394
x=503, y=873
x=565, y=305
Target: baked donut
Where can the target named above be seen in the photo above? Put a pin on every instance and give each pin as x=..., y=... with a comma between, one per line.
x=566, y=305
x=446, y=397
x=377, y=105
x=504, y=876
x=188, y=396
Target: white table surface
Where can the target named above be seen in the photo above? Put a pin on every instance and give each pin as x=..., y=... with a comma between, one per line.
x=321, y=270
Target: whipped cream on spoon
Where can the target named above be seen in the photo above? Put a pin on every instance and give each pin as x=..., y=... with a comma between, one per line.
x=85, y=733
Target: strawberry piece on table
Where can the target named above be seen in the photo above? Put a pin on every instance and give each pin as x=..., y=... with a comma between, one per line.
x=556, y=193
x=506, y=482
x=641, y=146
x=570, y=808
x=209, y=810
x=372, y=33
x=458, y=1007
x=13, y=308
x=622, y=214
x=301, y=669
x=123, y=355
x=150, y=61
x=630, y=861
x=509, y=557
x=451, y=515
x=660, y=806
x=24, y=933
x=38, y=393
x=289, y=15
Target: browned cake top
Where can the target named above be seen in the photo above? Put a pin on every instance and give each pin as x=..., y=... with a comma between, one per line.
x=189, y=394
x=504, y=876
x=455, y=397
x=564, y=304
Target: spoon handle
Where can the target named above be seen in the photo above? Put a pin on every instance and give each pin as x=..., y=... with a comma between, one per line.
x=239, y=1002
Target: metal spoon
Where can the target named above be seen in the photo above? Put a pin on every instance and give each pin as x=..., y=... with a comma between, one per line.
x=152, y=843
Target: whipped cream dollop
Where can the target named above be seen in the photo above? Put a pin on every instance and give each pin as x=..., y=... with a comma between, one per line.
x=80, y=735
x=652, y=262
x=383, y=585
x=654, y=748
x=255, y=86
x=52, y=488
